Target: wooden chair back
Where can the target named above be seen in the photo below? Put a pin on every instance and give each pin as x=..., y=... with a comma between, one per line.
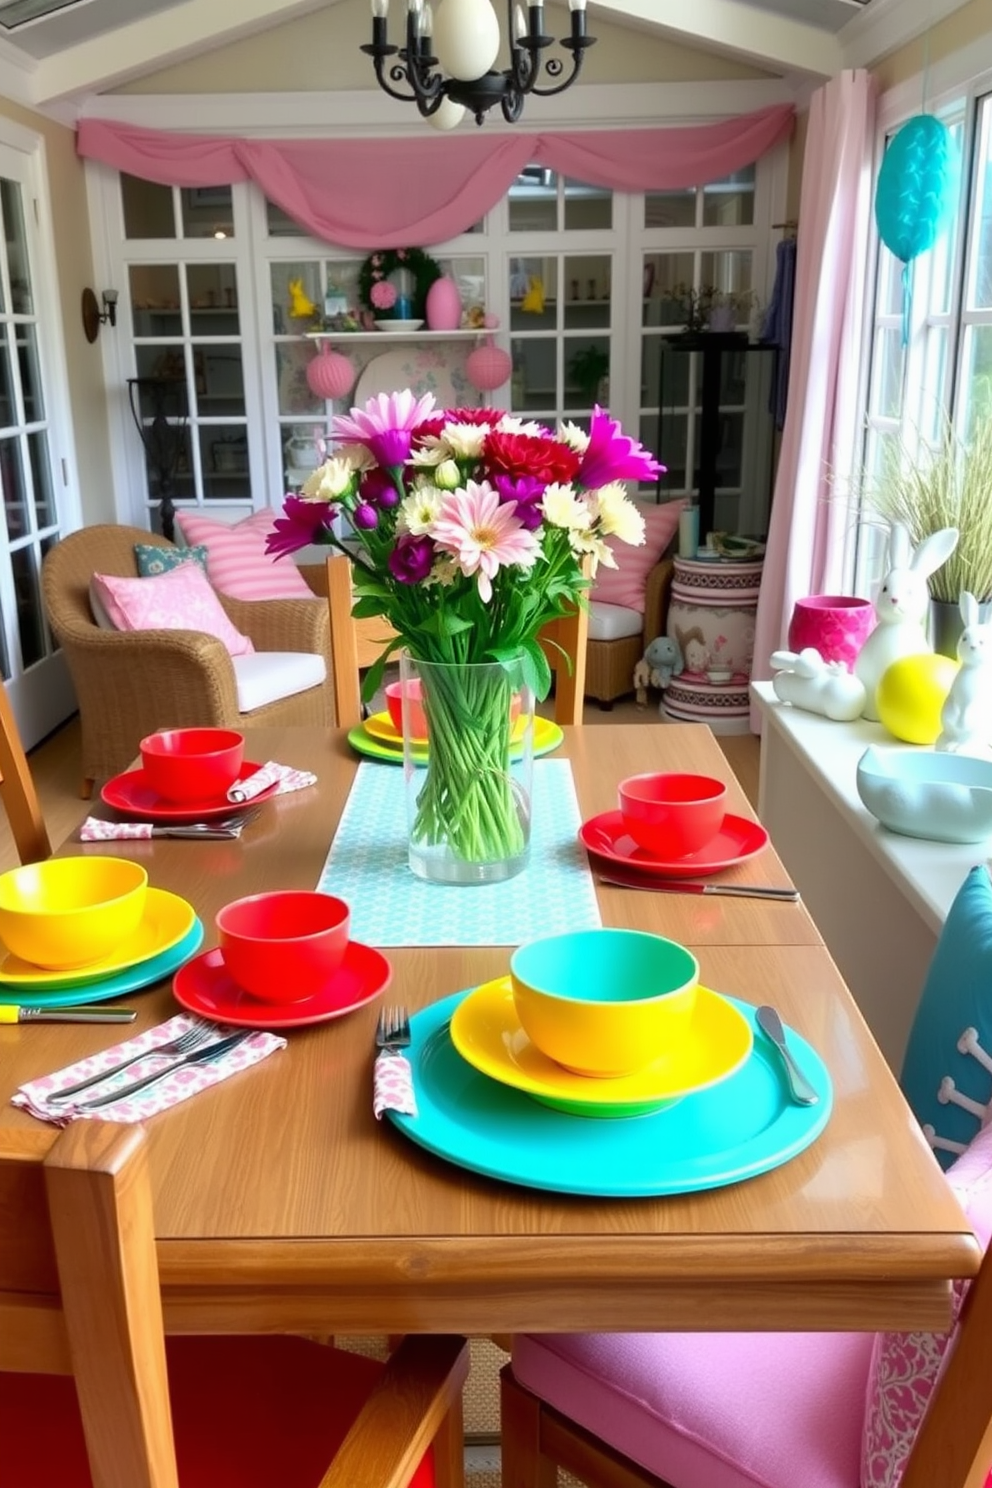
x=355, y=644
x=953, y=1446
x=17, y=790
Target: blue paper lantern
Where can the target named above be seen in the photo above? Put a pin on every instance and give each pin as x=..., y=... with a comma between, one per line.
x=916, y=192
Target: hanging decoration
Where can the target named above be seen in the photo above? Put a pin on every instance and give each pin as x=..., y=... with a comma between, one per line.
x=916, y=194
x=488, y=366
x=330, y=375
x=381, y=265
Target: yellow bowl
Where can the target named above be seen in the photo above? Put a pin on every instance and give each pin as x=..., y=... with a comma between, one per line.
x=605, y=1002
x=67, y=912
x=911, y=694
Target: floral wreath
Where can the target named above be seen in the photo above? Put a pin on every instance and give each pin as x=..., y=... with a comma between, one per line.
x=374, y=289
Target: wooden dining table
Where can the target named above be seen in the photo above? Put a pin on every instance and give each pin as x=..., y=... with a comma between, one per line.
x=283, y=1204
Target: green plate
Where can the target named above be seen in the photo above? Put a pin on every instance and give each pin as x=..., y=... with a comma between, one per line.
x=547, y=736
x=156, y=969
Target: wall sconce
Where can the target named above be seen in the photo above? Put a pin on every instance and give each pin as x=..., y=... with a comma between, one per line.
x=92, y=317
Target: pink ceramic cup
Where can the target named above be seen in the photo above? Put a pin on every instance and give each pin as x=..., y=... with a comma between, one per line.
x=836, y=625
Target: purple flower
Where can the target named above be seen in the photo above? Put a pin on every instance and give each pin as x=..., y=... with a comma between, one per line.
x=302, y=522
x=612, y=456
x=365, y=516
x=527, y=493
x=412, y=559
x=377, y=487
x=385, y=424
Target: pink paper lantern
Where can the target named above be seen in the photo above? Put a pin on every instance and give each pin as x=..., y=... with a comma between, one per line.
x=488, y=367
x=330, y=375
x=443, y=306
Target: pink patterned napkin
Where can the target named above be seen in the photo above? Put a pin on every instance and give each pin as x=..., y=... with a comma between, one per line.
x=392, y=1086
x=288, y=780
x=169, y=1091
x=95, y=830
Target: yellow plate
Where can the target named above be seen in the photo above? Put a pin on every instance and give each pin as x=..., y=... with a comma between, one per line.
x=380, y=726
x=486, y=1032
x=547, y=735
x=168, y=919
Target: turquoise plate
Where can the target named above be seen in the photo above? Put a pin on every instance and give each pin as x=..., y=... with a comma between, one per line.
x=131, y=980
x=742, y=1127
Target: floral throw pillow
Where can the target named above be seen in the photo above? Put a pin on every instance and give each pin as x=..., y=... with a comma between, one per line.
x=151, y=559
x=905, y=1367
x=181, y=599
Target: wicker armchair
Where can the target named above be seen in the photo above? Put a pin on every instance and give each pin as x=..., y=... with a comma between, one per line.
x=129, y=683
x=610, y=664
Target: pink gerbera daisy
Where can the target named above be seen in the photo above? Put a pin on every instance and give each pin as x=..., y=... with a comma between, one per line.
x=483, y=534
x=385, y=424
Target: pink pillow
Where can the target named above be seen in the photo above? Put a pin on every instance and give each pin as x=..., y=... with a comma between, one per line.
x=237, y=563
x=627, y=583
x=181, y=599
x=905, y=1367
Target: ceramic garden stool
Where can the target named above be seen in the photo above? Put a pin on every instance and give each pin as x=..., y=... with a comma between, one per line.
x=712, y=615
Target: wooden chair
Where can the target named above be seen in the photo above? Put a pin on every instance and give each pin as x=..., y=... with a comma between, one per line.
x=356, y=644
x=20, y=799
x=93, y=1396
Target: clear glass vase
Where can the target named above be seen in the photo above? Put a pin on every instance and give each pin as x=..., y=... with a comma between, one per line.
x=468, y=748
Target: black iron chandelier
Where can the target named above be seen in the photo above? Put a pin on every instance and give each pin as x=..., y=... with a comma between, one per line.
x=465, y=37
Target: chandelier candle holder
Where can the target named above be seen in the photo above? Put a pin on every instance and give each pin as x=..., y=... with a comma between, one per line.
x=461, y=77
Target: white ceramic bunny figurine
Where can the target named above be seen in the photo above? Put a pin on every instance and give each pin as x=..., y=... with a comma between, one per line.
x=901, y=606
x=827, y=687
x=966, y=717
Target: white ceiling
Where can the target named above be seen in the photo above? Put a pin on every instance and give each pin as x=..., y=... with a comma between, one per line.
x=90, y=46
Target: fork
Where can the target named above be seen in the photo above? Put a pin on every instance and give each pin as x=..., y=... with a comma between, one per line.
x=186, y=1043
x=392, y=1032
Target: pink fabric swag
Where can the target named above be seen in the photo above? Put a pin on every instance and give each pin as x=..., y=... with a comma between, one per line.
x=353, y=192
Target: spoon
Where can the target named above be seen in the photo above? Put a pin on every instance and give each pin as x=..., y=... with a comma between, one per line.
x=800, y=1089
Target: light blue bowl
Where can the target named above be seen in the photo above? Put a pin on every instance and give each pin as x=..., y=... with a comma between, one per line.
x=926, y=793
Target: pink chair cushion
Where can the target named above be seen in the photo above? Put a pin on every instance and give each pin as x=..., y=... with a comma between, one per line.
x=627, y=583
x=181, y=599
x=717, y=1410
x=905, y=1367
x=237, y=563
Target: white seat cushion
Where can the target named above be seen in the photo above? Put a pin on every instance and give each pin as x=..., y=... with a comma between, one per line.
x=266, y=676
x=608, y=622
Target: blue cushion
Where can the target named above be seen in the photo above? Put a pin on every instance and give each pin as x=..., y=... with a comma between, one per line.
x=957, y=996
x=152, y=559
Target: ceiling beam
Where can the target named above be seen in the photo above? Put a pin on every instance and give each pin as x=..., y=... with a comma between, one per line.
x=157, y=41
x=730, y=26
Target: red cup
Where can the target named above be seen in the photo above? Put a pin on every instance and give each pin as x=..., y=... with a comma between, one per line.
x=285, y=945
x=672, y=815
x=192, y=764
x=418, y=718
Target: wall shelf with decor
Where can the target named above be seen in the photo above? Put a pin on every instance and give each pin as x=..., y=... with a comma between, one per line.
x=367, y=336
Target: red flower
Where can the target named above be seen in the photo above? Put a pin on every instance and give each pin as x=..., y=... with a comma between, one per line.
x=545, y=460
x=435, y=424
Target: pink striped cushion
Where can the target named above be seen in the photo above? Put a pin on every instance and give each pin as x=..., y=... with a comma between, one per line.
x=181, y=599
x=627, y=583
x=237, y=563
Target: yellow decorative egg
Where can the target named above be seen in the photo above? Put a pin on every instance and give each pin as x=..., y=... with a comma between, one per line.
x=912, y=693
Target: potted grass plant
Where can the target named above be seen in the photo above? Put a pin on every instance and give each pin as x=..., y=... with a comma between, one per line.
x=946, y=484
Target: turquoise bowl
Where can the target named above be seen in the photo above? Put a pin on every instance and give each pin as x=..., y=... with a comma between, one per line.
x=927, y=793
x=605, y=1002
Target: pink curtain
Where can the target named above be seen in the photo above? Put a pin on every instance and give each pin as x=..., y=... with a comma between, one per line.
x=806, y=536
x=399, y=192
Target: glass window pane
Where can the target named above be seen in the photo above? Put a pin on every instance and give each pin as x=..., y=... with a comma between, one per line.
x=155, y=302
x=341, y=290
x=670, y=435
x=32, y=391
x=300, y=453
x=670, y=208
x=148, y=210
x=155, y=361
x=296, y=285
x=935, y=379
x=14, y=495
x=18, y=263
x=535, y=386
x=219, y=380
x=587, y=206
x=534, y=201
x=663, y=274
x=587, y=302
x=889, y=283
x=207, y=212
x=587, y=371
x=30, y=625
x=729, y=271
x=982, y=233
x=8, y=407
x=41, y=473
x=278, y=224
x=213, y=299
x=470, y=276
x=977, y=377
x=730, y=203
x=292, y=360
x=887, y=373
x=533, y=293
x=224, y=462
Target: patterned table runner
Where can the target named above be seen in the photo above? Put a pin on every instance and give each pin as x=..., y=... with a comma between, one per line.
x=390, y=906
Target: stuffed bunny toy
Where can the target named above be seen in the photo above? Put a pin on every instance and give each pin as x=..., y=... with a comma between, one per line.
x=807, y=681
x=966, y=717
x=901, y=606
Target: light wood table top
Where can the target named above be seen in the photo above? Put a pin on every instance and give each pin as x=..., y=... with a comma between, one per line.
x=281, y=1202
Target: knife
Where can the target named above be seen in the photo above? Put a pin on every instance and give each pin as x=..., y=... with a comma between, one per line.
x=11, y=1013
x=800, y=1089
x=690, y=886
x=198, y=1056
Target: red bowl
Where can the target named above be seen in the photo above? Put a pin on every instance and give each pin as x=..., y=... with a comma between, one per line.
x=418, y=719
x=192, y=764
x=285, y=945
x=672, y=815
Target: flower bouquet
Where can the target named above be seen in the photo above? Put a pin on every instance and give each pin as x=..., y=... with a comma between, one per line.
x=468, y=530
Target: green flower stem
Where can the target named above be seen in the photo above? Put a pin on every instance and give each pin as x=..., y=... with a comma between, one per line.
x=467, y=800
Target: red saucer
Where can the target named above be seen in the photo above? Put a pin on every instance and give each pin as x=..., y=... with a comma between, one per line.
x=131, y=795
x=606, y=837
x=205, y=986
